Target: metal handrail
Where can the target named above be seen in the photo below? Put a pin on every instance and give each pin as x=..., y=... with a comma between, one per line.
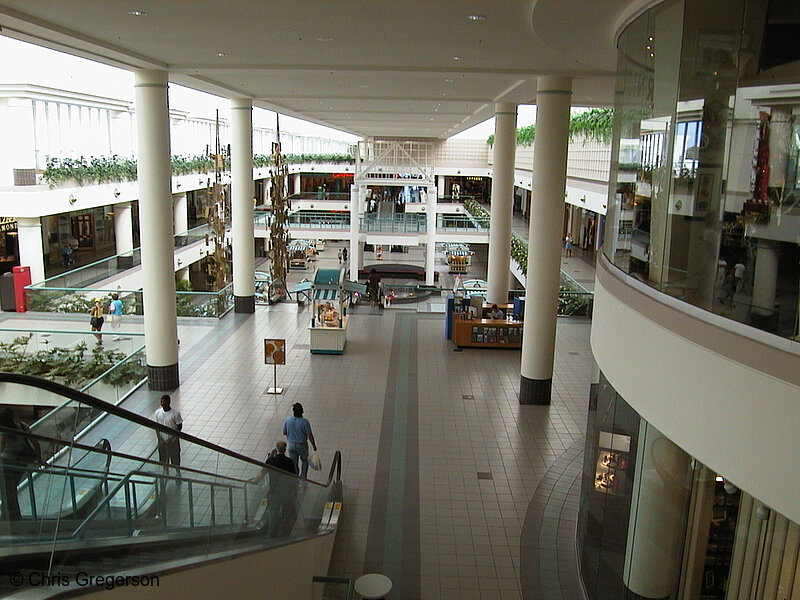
x=116, y=411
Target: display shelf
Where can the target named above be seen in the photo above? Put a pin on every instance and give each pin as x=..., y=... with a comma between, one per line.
x=486, y=333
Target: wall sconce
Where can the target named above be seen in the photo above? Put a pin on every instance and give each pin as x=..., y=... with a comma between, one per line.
x=345, y=207
x=583, y=198
x=72, y=199
x=178, y=184
x=117, y=192
x=180, y=262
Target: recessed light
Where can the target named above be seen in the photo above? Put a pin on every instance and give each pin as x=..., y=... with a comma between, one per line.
x=477, y=17
x=137, y=13
x=221, y=54
x=457, y=58
x=448, y=81
x=324, y=39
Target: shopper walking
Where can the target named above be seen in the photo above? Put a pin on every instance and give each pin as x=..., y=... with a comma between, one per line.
x=96, y=320
x=115, y=313
x=568, y=245
x=169, y=445
x=298, y=433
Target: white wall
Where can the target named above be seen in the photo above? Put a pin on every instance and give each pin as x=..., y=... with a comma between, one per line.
x=719, y=404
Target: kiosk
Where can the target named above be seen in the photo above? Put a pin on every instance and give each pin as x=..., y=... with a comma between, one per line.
x=329, y=294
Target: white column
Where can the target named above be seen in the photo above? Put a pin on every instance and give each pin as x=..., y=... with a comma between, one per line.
x=544, y=238
x=440, y=185
x=183, y=274
x=180, y=213
x=430, y=246
x=29, y=241
x=505, y=146
x=354, y=258
x=662, y=479
x=297, y=183
x=123, y=227
x=155, y=215
x=242, y=225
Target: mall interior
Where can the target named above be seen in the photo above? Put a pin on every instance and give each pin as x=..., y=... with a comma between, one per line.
x=640, y=447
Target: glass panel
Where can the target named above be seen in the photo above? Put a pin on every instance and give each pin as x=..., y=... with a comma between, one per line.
x=705, y=200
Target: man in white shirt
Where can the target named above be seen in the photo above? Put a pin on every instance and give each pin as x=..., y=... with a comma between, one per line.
x=169, y=446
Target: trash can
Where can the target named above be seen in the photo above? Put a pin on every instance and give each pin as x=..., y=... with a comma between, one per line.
x=7, y=301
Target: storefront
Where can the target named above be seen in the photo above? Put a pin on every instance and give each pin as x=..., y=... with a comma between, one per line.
x=459, y=188
x=81, y=237
x=9, y=252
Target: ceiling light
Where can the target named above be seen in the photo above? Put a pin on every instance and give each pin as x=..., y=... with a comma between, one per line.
x=221, y=54
x=477, y=17
x=457, y=58
x=324, y=39
x=137, y=13
x=448, y=81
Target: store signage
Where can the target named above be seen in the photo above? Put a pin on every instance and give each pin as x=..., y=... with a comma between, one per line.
x=342, y=175
x=274, y=352
x=8, y=224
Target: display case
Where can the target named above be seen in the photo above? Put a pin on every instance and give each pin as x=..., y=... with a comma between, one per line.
x=486, y=333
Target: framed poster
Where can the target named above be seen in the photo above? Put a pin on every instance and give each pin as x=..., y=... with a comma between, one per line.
x=274, y=352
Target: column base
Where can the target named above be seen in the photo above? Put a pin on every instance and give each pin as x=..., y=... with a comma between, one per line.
x=534, y=391
x=244, y=304
x=163, y=379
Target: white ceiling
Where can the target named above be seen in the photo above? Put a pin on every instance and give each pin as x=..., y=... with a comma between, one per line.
x=374, y=68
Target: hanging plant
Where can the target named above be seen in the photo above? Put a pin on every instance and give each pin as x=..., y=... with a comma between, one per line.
x=596, y=125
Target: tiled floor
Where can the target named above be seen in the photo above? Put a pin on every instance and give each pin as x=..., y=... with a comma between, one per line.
x=441, y=463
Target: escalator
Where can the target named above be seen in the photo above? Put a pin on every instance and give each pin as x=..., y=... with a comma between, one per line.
x=100, y=502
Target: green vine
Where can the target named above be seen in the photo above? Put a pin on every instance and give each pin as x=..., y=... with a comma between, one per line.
x=596, y=125
x=114, y=168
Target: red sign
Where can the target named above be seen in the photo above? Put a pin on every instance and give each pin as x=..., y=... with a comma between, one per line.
x=342, y=175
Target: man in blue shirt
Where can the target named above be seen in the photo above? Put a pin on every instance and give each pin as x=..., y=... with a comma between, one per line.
x=297, y=430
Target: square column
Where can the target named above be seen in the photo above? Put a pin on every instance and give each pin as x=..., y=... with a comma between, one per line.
x=242, y=193
x=30, y=247
x=155, y=214
x=553, y=97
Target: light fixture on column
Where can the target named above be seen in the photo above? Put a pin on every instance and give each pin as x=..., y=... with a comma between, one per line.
x=762, y=512
x=117, y=192
x=72, y=199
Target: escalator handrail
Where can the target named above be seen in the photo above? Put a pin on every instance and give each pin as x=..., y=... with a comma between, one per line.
x=124, y=481
x=74, y=469
x=62, y=390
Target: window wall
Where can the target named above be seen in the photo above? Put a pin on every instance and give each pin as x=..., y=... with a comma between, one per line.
x=713, y=216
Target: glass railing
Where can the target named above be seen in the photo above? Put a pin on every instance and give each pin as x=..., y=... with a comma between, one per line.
x=319, y=220
x=394, y=223
x=80, y=301
x=105, y=491
x=450, y=223
x=337, y=196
